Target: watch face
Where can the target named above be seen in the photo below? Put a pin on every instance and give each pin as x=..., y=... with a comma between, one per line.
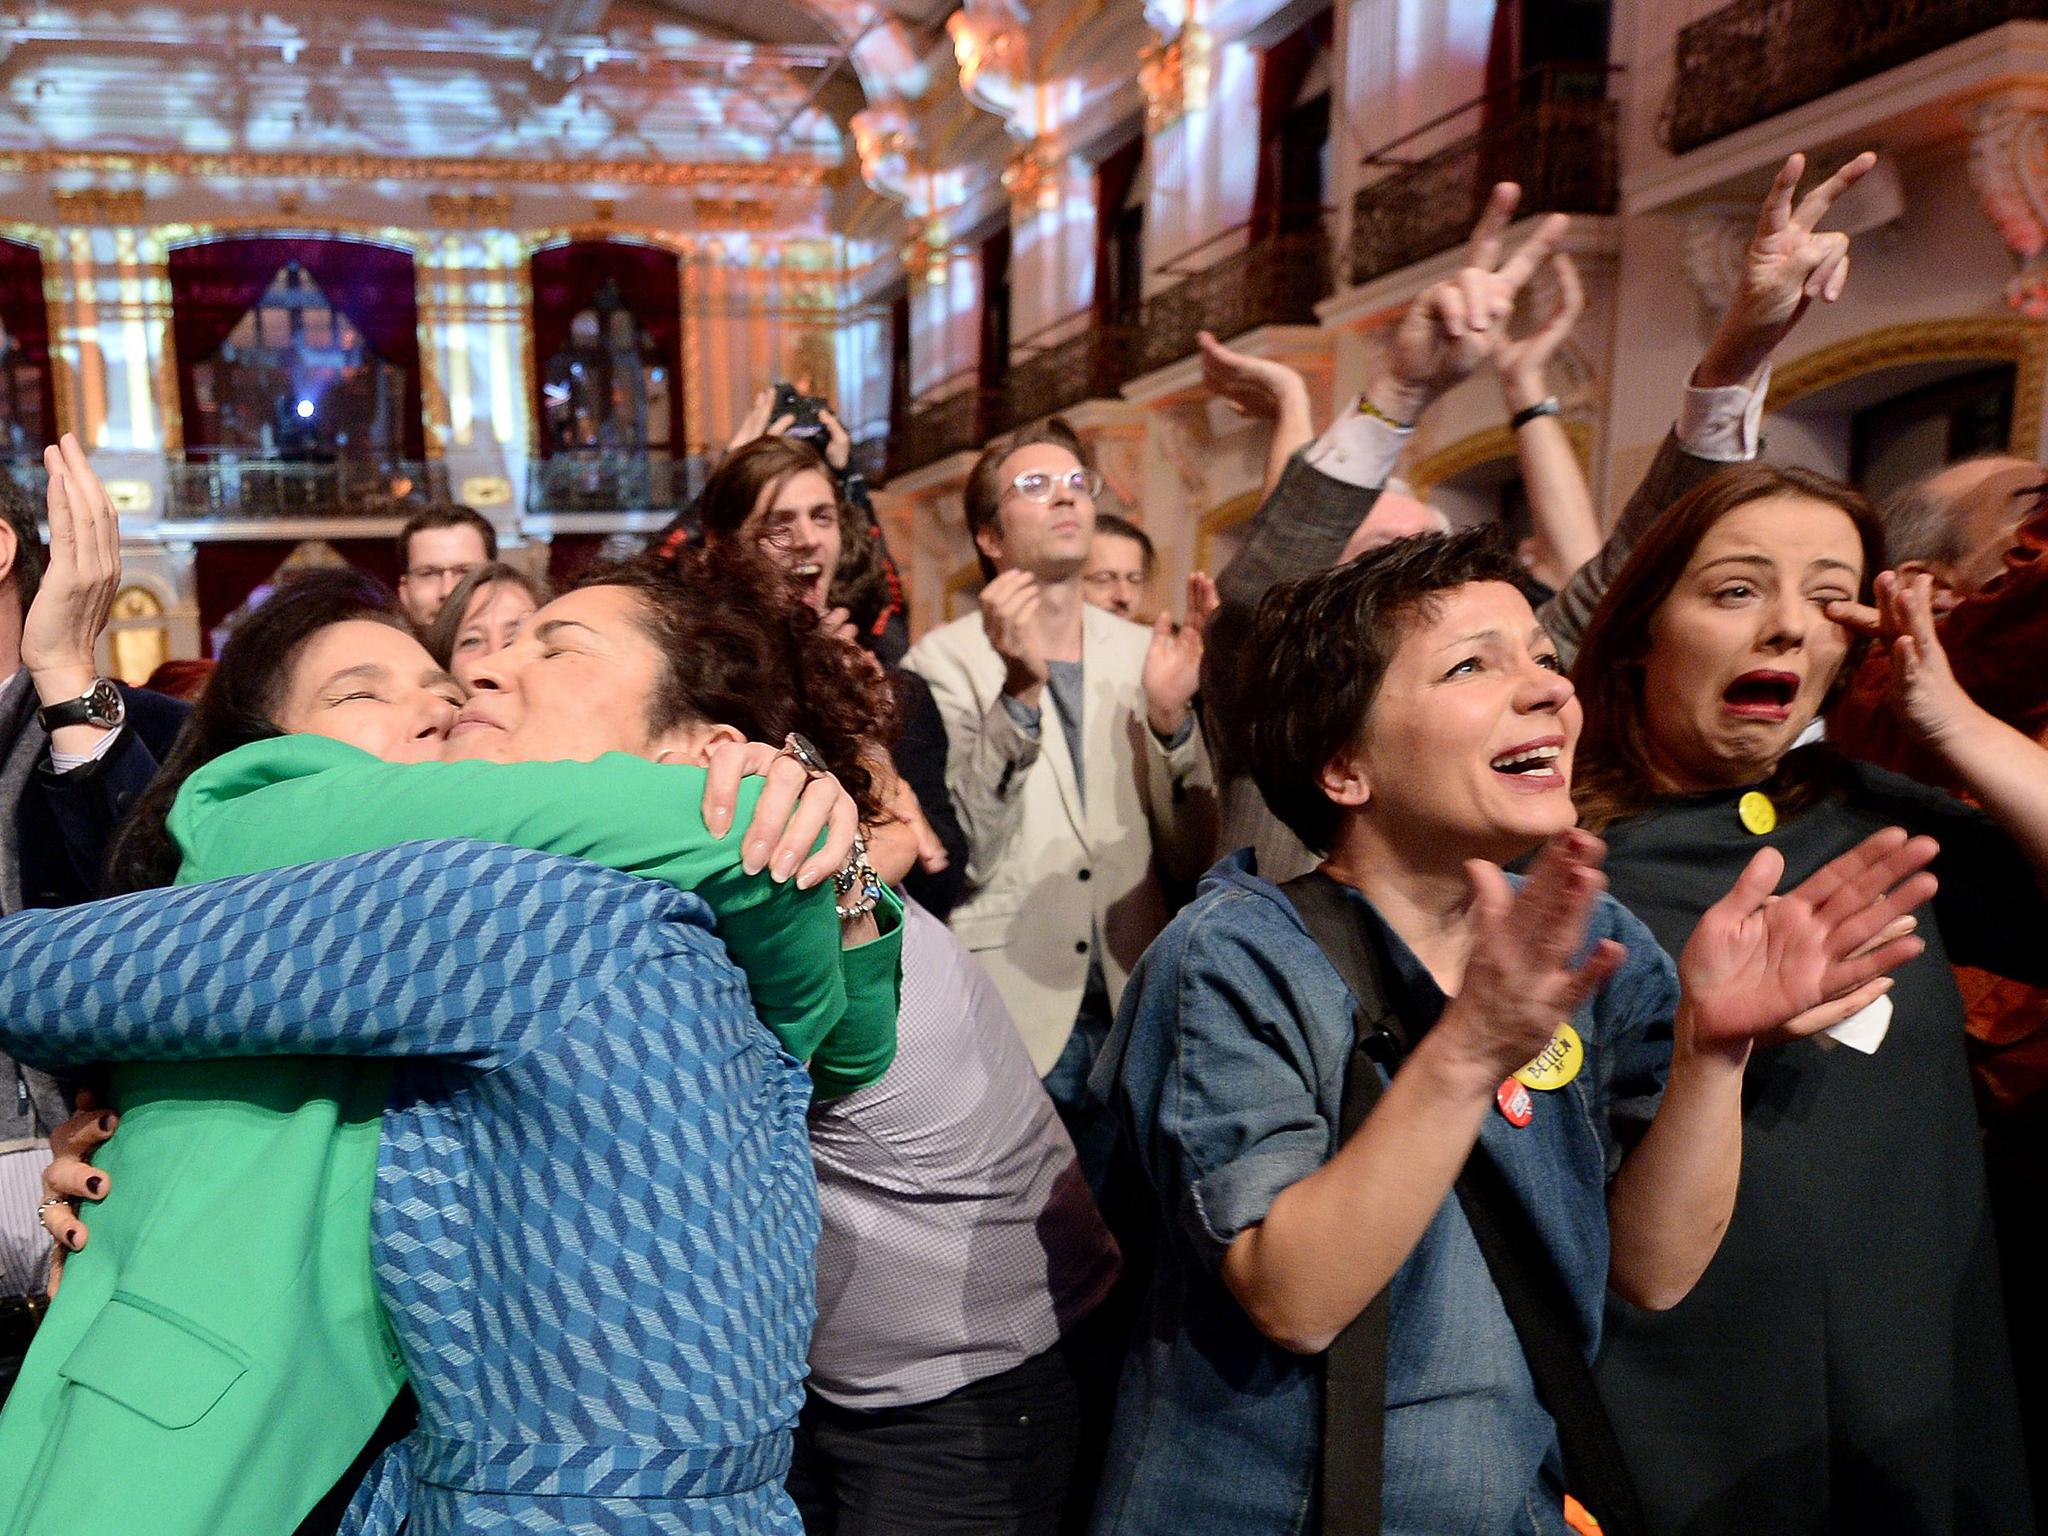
x=104, y=705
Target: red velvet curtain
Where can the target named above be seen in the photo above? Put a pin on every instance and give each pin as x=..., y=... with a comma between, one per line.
x=226, y=571
x=27, y=318
x=1282, y=70
x=1114, y=178
x=567, y=279
x=215, y=283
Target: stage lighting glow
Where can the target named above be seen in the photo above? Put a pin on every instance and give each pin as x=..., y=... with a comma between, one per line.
x=305, y=410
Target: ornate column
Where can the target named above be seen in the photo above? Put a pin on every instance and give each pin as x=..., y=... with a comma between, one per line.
x=2009, y=169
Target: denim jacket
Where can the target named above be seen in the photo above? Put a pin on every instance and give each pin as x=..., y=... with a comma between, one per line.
x=1226, y=1073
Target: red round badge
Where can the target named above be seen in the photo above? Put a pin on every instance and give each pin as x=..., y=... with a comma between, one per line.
x=1515, y=1103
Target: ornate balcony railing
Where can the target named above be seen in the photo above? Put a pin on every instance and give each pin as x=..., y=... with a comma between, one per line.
x=1757, y=58
x=1549, y=130
x=952, y=425
x=234, y=489
x=1276, y=280
x=613, y=480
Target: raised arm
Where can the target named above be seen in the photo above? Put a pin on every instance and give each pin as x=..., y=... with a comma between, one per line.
x=1565, y=529
x=457, y=950
x=2003, y=770
x=298, y=799
x=1786, y=267
x=1261, y=389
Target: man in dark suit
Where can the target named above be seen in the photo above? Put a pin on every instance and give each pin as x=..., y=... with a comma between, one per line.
x=76, y=751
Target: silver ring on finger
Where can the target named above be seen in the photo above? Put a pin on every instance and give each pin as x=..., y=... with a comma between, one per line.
x=798, y=749
x=43, y=1208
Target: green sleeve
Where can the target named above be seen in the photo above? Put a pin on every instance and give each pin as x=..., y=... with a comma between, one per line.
x=297, y=799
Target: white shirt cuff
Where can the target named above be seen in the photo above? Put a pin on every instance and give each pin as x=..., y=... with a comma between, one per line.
x=1724, y=424
x=64, y=762
x=1358, y=449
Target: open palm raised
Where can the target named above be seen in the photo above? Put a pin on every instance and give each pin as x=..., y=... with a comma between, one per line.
x=1761, y=967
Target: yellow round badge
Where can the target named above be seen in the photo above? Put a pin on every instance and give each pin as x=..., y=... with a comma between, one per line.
x=1557, y=1063
x=1757, y=812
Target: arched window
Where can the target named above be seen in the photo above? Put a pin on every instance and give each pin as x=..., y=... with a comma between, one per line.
x=294, y=380
x=605, y=387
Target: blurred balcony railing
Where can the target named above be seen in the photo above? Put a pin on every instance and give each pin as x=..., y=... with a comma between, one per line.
x=613, y=480
x=1757, y=58
x=1276, y=279
x=951, y=425
x=231, y=488
x=1551, y=130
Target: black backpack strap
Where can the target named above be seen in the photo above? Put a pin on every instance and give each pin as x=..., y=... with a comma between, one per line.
x=1355, y=1365
x=1539, y=1307
x=1544, y=1318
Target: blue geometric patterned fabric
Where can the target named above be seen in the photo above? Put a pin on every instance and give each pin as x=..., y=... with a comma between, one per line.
x=595, y=1214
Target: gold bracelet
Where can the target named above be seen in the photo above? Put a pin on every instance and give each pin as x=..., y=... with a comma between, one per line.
x=1367, y=408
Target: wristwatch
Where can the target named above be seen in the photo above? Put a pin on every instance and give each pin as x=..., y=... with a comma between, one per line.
x=100, y=705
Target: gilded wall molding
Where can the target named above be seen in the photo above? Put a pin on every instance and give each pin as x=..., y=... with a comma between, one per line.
x=469, y=210
x=99, y=205
x=246, y=165
x=1987, y=338
x=1218, y=521
x=1492, y=446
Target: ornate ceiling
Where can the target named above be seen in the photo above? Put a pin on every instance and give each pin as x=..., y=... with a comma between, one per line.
x=665, y=81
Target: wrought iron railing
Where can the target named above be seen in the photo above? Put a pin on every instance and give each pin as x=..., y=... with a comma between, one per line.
x=227, y=487
x=1550, y=130
x=613, y=480
x=956, y=424
x=1757, y=58
x=1277, y=280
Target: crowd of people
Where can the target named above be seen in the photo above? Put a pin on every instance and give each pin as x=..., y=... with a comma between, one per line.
x=1518, y=1031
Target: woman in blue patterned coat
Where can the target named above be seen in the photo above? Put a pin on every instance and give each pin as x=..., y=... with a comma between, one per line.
x=591, y=1357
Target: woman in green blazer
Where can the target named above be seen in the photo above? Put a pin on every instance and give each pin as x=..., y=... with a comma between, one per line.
x=122, y=1438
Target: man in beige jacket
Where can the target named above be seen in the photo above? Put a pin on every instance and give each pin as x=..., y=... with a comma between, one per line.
x=1075, y=763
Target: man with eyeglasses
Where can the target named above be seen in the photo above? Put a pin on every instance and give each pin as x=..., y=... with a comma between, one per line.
x=1075, y=763
x=437, y=548
x=1120, y=561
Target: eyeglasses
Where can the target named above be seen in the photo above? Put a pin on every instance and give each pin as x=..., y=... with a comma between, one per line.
x=425, y=573
x=1038, y=485
x=1103, y=581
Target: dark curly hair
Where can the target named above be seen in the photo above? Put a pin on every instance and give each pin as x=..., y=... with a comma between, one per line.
x=1319, y=649
x=239, y=705
x=740, y=647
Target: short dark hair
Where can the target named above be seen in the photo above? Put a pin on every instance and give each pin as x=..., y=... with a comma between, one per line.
x=983, y=495
x=1123, y=528
x=741, y=647
x=1319, y=649
x=444, y=514
x=29, y=555
x=240, y=704
x=439, y=638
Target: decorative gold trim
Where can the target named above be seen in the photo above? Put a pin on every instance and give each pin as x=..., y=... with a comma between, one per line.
x=1989, y=338
x=242, y=165
x=1494, y=445
x=1218, y=521
x=228, y=226
x=470, y=210
x=99, y=205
